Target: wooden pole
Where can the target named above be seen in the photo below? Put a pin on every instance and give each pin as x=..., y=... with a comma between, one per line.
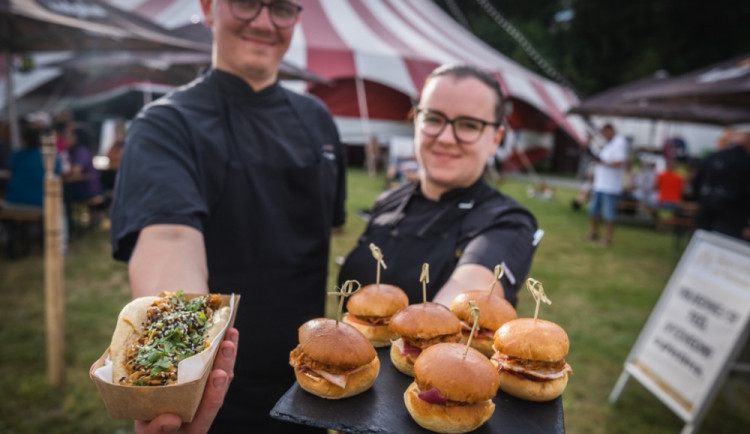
x=53, y=266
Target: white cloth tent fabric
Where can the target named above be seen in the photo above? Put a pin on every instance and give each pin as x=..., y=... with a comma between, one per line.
x=395, y=43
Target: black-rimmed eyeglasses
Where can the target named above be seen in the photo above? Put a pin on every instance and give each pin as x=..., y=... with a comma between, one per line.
x=283, y=13
x=466, y=129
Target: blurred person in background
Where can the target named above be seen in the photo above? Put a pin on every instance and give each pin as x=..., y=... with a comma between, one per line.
x=61, y=125
x=5, y=145
x=610, y=166
x=644, y=183
x=404, y=170
x=114, y=153
x=669, y=184
x=721, y=186
x=451, y=217
x=81, y=183
x=114, y=156
x=233, y=184
x=25, y=190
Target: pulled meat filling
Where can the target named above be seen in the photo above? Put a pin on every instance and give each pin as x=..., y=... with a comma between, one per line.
x=531, y=365
x=424, y=343
x=534, y=370
x=299, y=359
x=482, y=333
x=373, y=320
x=173, y=331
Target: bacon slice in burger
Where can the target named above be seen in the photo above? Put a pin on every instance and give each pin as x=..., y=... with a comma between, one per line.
x=530, y=359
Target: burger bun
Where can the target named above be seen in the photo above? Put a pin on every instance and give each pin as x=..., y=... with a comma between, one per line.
x=463, y=376
x=482, y=345
x=533, y=339
x=444, y=419
x=425, y=321
x=357, y=382
x=529, y=390
x=401, y=361
x=494, y=310
x=379, y=335
x=336, y=344
x=377, y=300
x=536, y=340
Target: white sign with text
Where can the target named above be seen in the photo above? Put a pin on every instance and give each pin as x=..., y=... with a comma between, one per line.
x=697, y=328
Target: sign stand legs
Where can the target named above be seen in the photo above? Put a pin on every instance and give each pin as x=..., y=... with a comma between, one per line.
x=621, y=382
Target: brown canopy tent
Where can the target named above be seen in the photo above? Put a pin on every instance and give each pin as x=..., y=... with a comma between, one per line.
x=725, y=84
x=74, y=25
x=80, y=25
x=112, y=50
x=624, y=101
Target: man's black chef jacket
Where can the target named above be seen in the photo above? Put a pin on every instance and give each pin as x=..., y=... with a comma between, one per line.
x=262, y=176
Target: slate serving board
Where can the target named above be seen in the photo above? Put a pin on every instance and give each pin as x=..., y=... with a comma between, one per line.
x=381, y=409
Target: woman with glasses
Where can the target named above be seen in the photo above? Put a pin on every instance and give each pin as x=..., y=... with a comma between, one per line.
x=232, y=184
x=452, y=218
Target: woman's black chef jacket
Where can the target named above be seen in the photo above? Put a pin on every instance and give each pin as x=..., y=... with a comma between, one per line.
x=475, y=225
x=262, y=176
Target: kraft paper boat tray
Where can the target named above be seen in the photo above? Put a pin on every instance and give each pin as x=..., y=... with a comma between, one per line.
x=145, y=403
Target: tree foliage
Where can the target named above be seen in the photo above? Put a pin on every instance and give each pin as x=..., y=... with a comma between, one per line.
x=608, y=43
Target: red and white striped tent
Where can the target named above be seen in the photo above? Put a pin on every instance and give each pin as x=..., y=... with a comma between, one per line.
x=378, y=53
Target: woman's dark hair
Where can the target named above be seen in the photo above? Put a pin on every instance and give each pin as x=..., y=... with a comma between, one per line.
x=468, y=71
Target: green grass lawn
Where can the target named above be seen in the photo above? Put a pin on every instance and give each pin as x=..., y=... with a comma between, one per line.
x=602, y=297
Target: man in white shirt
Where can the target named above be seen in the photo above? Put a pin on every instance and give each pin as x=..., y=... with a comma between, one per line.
x=609, y=173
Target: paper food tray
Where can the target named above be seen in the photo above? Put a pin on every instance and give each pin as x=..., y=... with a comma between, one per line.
x=147, y=402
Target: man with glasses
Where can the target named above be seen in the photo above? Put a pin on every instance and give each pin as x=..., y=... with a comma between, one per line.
x=451, y=218
x=232, y=184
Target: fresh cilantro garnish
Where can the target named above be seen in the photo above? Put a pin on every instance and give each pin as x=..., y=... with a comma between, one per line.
x=201, y=318
x=172, y=335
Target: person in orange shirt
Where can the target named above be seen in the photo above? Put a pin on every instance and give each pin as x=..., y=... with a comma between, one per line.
x=669, y=184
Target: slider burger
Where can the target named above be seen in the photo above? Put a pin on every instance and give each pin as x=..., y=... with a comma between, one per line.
x=370, y=310
x=495, y=311
x=530, y=358
x=418, y=327
x=333, y=359
x=154, y=334
x=452, y=393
